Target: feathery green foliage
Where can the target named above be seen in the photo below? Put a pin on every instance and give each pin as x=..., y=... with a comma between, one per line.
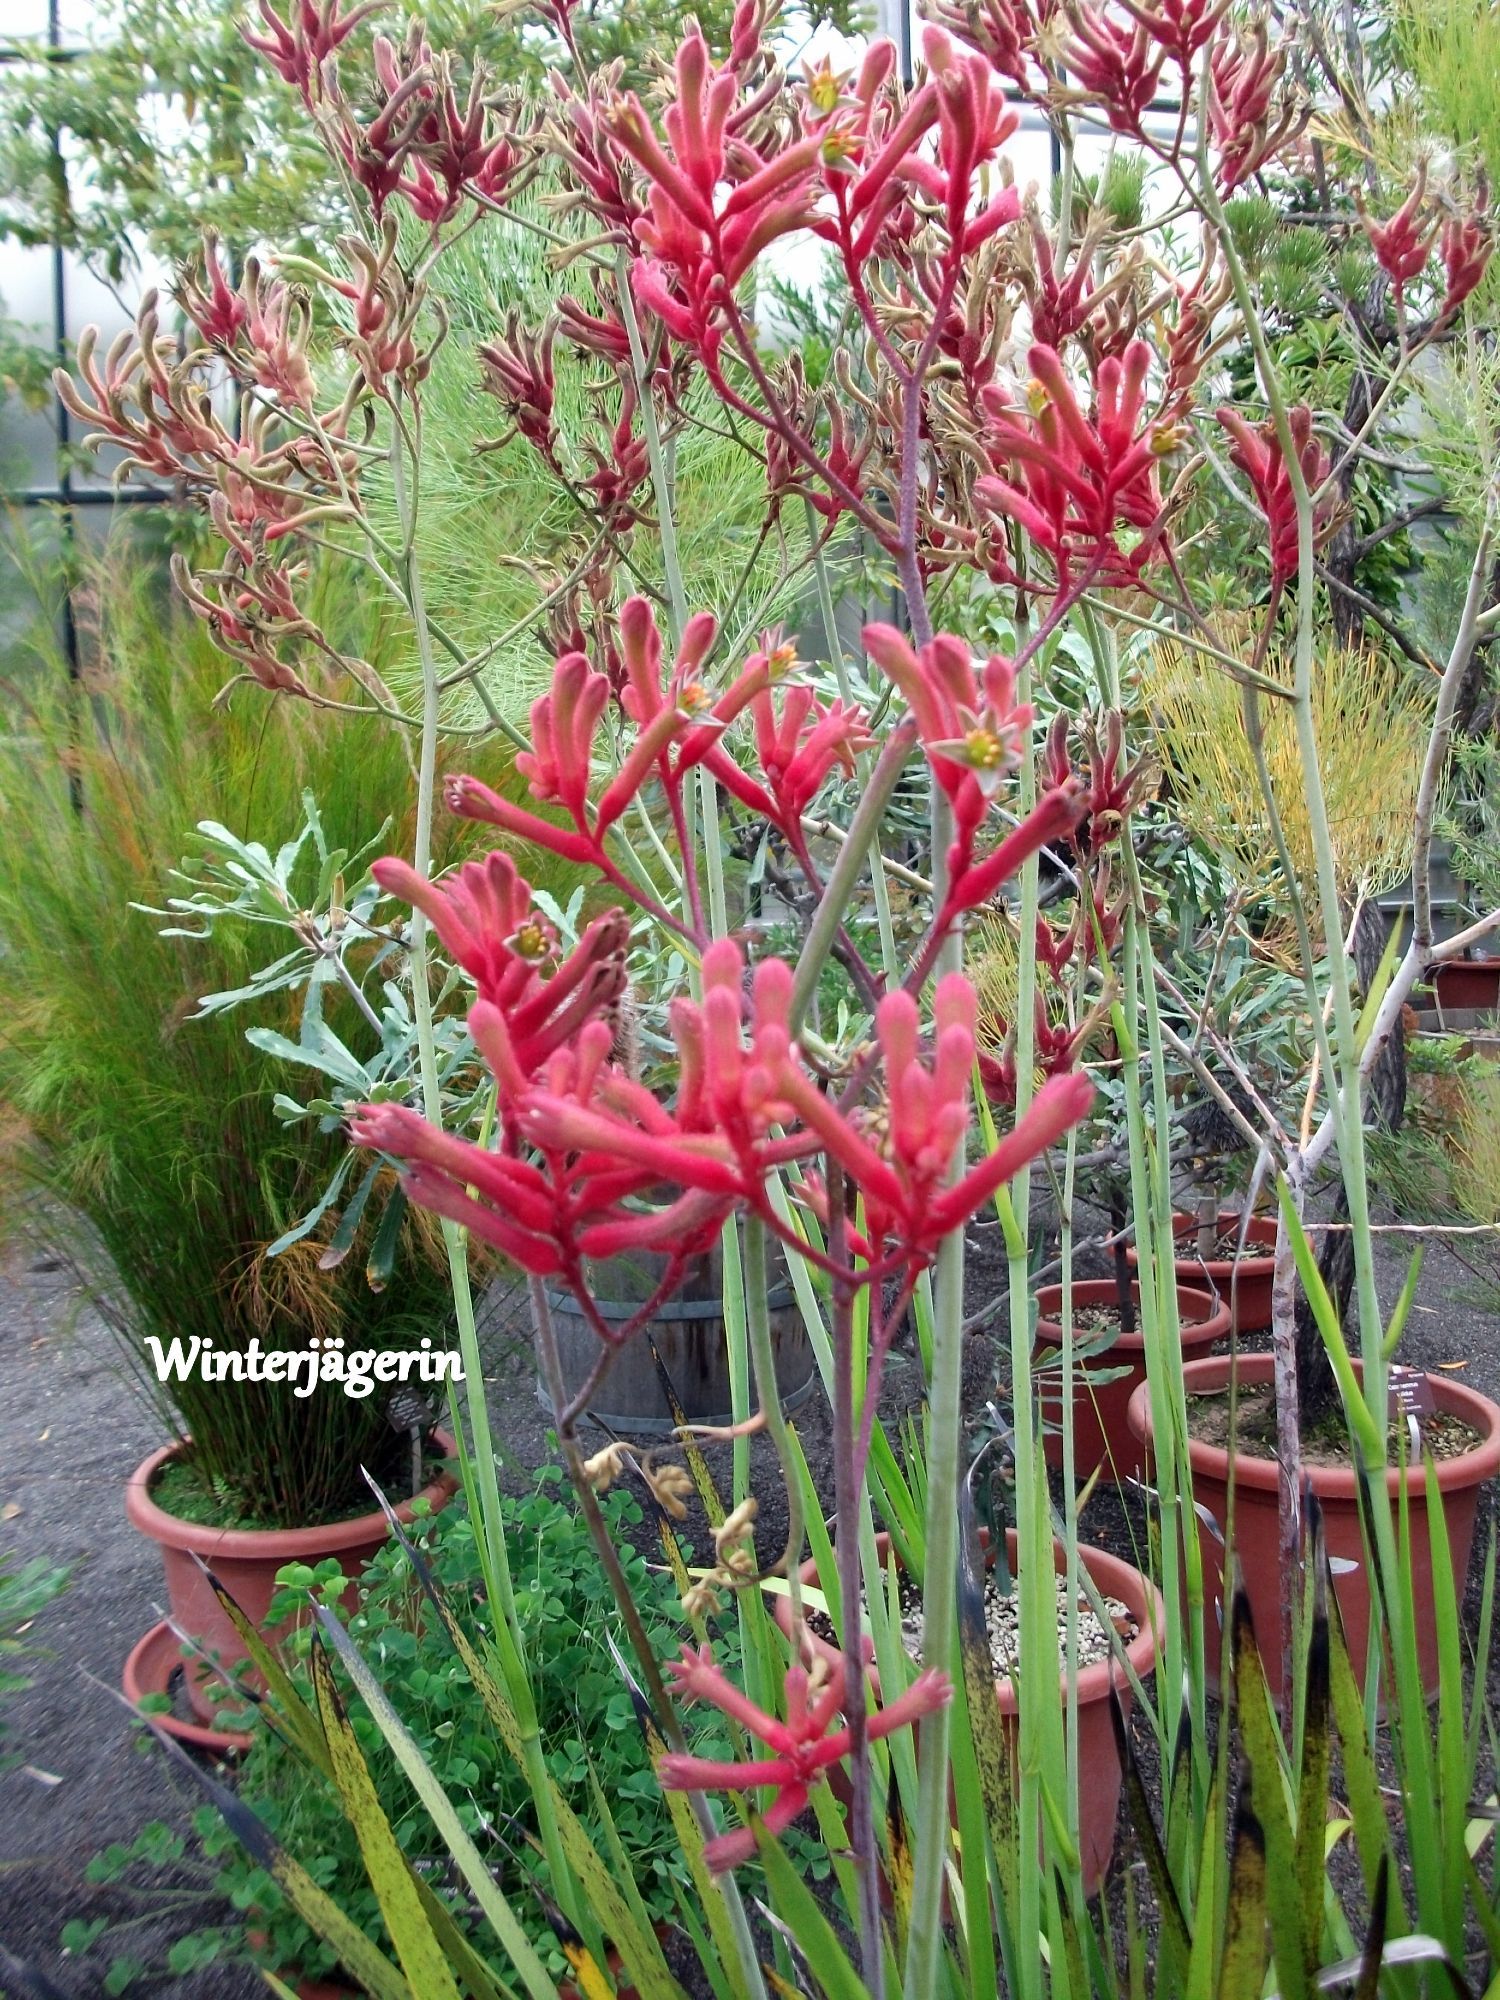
x=152, y=1132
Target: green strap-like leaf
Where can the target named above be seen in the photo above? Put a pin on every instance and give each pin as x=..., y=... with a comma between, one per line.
x=293, y=1713
x=816, y=1938
x=1317, y=1755
x=471, y=1864
x=986, y=1727
x=1175, y=1942
x=1372, y=1832
x=1263, y=1754
x=1242, y=1970
x=420, y=1954
x=358, y=1954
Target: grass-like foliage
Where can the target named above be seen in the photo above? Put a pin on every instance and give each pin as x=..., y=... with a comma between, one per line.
x=148, y=1133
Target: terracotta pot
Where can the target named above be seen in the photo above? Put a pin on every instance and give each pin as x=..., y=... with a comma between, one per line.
x=1099, y=1774
x=324, y=1989
x=1250, y=1276
x=245, y=1560
x=1467, y=982
x=1256, y=1532
x=1102, y=1437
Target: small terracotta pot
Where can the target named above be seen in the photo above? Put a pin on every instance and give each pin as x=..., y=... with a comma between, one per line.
x=1256, y=1525
x=1102, y=1437
x=1099, y=1774
x=324, y=1989
x=1467, y=982
x=245, y=1560
x=1243, y=1283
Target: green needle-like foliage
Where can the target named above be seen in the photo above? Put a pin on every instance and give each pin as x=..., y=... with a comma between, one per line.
x=149, y=1134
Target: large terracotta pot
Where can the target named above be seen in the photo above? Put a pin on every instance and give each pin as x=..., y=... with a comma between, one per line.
x=1102, y=1437
x=245, y=1560
x=1099, y=1774
x=1256, y=1530
x=1243, y=1283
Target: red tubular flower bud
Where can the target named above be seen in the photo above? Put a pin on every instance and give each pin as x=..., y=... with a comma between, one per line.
x=1466, y=245
x=1256, y=450
x=803, y=1747
x=1403, y=244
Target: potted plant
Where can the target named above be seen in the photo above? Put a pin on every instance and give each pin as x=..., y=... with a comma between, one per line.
x=1099, y=1686
x=1469, y=1459
x=1109, y=1364
x=1215, y=1255
x=163, y=1172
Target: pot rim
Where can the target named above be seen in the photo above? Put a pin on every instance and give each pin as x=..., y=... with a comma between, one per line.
x=1329, y=1482
x=262, y=1544
x=1095, y=1682
x=1211, y=1325
x=1262, y=1230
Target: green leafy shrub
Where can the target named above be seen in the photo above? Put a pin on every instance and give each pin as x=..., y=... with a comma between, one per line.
x=593, y=1743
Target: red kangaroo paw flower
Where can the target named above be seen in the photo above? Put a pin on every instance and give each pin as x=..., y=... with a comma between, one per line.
x=1403, y=244
x=1084, y=480
x=1118, y=62
x=805, y=1744
x=1256, y=450
x=1466, y=245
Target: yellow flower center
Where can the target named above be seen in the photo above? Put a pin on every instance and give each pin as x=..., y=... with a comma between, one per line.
x=984, y=749
x=530, y=941
x=823, y=88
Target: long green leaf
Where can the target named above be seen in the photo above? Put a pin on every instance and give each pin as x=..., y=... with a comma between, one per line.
x=1263, y=1754
x=1199, y=1983
x=636, y=1943
x=471, y=1864
x=1325, y=1314
x=1317, y=1754
x=1175, y=1940
x=295, y=1717
x=1372, y=1832
x=420, y=1954
x=992, y=1754
x=1242, y=1971
x=357, y=1953
x=816, y=1938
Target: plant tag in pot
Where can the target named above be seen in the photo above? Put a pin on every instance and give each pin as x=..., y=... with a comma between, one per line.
x=1411, y=1394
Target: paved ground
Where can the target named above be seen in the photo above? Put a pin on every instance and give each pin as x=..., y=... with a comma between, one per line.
x=70, y=1433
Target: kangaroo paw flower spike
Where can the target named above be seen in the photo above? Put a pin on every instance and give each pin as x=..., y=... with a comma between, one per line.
x=803, y=1746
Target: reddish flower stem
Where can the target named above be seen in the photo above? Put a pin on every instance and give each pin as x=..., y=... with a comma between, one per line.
x=846, y=1484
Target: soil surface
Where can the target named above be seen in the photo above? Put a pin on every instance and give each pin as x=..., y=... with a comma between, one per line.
x=1225, y=1249
x=1443, y=1434
x=71, y=1432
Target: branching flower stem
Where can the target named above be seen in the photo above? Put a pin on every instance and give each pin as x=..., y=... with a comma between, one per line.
x=492, y=1538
